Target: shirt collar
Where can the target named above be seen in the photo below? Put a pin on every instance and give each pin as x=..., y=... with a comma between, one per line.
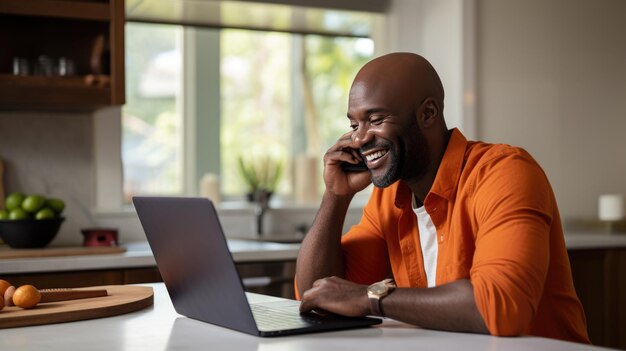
x=448, y=174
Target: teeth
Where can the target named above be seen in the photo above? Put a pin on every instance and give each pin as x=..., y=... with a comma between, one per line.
x=375, y=155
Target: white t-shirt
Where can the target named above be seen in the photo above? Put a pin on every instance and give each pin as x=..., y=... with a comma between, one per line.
x=428, y=242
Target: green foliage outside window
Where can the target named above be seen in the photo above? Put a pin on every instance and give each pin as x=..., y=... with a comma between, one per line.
x=260, y=83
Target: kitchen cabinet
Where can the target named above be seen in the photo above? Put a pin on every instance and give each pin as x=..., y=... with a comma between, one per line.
x=270, y=278
x=599, y=278
x=77, y=279
x=88, y=34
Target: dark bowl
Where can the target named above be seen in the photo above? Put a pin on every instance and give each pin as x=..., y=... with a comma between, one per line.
x=29, y=233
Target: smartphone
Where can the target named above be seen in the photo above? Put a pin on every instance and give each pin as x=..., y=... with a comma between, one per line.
x=350, y=167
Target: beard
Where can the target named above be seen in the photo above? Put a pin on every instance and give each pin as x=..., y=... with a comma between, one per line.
x=393, y=170
x=400, y=165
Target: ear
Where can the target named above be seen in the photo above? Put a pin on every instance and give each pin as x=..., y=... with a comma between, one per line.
x=428, y=113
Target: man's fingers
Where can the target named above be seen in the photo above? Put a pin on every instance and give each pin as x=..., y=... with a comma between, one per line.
x=310, y=294
x=307, y=300
x=306, y=306
x=356, y=154
x=344, y=150
x=340, y=156
x=345, y=141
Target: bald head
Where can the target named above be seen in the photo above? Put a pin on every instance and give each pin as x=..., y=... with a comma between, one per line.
x=396, y=110
x=403, y=79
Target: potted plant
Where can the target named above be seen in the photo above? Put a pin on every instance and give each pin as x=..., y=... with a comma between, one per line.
x=261, y=175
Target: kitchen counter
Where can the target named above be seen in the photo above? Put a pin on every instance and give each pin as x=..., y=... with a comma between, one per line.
x=598, y=262
x=259, y=250
x=140, y=255
x=588, y=241
x=160, y=328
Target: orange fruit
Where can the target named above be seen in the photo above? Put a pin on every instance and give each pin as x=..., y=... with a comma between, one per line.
x=1, y=302
x=26, y=296
x=4, y=285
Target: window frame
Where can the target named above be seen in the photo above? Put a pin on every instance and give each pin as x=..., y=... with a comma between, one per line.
x=201, y=115
x=107, y=164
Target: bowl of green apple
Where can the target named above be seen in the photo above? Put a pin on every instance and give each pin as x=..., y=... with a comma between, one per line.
x=30, y=221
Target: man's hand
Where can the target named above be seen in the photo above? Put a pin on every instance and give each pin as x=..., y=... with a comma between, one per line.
x=337, y=181
x=321, y=254
x=338, y=296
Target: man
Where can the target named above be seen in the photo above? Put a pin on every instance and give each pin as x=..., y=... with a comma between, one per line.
x=469, y=231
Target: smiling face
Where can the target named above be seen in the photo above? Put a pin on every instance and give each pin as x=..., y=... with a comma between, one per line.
x=387, y=100
x=390, y=140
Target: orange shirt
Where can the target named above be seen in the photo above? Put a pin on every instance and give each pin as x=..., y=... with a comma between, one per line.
x=497, y=224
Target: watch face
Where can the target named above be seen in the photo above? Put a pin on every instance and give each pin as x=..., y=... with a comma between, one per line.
x=378, y=289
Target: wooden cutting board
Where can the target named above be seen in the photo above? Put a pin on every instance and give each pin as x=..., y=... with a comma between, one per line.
x=121, y=299
x=6, y=252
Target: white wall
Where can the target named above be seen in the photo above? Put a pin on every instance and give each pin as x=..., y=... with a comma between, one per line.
x=552, y=78
x=433, y=29
x=52, y=154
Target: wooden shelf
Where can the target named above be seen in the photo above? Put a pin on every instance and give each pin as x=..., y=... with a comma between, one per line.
x=81, y=10
x=33, y=92
x=12, y=81
x=90, y=33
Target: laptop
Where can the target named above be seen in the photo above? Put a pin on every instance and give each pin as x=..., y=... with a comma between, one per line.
x=198, y=270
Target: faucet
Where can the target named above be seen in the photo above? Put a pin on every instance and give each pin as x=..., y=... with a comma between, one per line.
x=261, y=199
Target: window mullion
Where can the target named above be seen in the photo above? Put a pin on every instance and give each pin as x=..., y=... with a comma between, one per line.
x=202, y=105
x=299, y=144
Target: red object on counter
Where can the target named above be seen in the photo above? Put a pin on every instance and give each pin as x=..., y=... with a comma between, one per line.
x=100, y=237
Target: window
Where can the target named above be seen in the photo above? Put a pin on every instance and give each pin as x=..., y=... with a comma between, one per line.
x=151, y=118
x=280, y=95
x=256, y=102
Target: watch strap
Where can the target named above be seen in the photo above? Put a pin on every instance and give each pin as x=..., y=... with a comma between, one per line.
x=375, y=301
x=376, y=308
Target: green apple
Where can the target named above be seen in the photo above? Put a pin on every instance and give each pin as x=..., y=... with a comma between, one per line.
x=57, y=205
x=14, y=200
x=18, y=213
x=33, y=203
x=4, y=214
x=45, y=213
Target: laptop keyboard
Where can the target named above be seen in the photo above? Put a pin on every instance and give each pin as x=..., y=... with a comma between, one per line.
x=276, y=318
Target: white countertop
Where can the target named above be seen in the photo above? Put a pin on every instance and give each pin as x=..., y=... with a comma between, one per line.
x=580, y=241
x=139, y=254
x=160, y=328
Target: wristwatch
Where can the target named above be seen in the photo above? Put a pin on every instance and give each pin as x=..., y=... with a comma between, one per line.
x=377, y=292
